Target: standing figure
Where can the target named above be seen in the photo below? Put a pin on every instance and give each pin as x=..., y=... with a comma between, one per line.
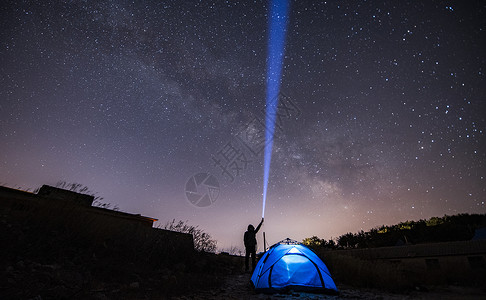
x=250, y=245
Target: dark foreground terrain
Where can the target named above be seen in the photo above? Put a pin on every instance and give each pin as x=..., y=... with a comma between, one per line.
x=43, y=258
x=31, y=280
x=44, y=254
x=237, y=287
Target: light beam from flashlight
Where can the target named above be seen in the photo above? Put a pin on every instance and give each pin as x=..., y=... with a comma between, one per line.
x=276, y=41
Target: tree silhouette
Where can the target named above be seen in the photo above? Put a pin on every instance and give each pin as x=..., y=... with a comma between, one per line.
x=436, y=229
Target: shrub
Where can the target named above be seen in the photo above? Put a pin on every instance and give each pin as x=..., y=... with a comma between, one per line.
x=202, y=241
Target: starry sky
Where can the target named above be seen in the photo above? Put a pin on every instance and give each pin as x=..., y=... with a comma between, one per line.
x=381, y=115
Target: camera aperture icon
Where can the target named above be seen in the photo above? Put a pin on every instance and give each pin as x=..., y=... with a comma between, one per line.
x=202, y=189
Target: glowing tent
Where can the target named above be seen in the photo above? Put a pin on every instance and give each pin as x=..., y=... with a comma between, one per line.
x=291, y=265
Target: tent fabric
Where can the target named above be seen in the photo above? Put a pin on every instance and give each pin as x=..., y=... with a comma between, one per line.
x=292, y=266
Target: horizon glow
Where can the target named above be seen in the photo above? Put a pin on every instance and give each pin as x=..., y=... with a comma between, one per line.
x=276, y=41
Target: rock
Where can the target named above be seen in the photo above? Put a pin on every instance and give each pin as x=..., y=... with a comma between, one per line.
x=99, y=296
x=20, y=264
x=36, y=265
x=134, y=285
x=70, y=278
x=201, y=264
x=42, y=280
x=172, y=280
x=165, y=271
x=180, y=267
x=135, y=277
x=51, y=267
x=60, y=292
x=156, y=281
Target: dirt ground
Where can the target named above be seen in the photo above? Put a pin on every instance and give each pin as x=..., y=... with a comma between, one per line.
x=238, y=287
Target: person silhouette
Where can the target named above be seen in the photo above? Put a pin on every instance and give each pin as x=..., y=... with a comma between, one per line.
x=250, y=245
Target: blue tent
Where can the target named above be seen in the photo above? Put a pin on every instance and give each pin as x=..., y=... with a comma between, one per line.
x=291, y=265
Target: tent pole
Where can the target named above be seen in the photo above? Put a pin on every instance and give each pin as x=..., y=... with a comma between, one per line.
x=264, y=243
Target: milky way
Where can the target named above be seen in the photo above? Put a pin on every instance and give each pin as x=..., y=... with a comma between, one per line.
x=381, y=117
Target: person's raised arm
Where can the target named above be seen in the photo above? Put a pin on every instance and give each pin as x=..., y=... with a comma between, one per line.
x=259, y=225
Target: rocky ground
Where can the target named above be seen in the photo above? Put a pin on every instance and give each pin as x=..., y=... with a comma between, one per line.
x=238, y=287
x=98, y=279
x=31, y=280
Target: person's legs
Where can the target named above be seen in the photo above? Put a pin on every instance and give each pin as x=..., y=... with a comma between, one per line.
x=253, y=259
x=247, y=254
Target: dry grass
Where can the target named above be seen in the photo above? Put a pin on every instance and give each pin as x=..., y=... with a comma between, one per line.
x=397, y=277
x=360, y=273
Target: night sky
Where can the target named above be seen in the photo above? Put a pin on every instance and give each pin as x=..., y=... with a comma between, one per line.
x=381, y=117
